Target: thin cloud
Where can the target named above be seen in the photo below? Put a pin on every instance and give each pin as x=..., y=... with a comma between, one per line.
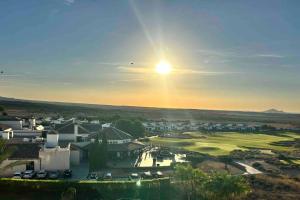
x=11, y=75
x=135, y=70
x=69, y=2
x=270, y=56
x=201, y=72
x=130, y=80
x=235, y=54
x=142, y=70
x=225, y=53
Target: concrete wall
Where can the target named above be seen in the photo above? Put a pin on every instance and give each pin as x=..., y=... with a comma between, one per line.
x=55, y=158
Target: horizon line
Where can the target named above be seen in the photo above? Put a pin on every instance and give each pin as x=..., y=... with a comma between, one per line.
x=147, y=107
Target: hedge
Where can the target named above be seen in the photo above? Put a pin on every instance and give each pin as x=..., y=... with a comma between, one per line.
x=148, y=189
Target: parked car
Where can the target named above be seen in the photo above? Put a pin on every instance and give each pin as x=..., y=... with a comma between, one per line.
x=54, y=174
x=107, y=176
x=92, y=176
x=18, y=175
x=134, y=176
x=146, y=175
x=67, y=173
x=41, y=174
x=158, y=174
x=29, y=174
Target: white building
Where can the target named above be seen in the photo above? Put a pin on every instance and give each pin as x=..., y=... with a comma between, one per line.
x=52, y=156
x=6, y=132
x=34, y=155
x=25, y=156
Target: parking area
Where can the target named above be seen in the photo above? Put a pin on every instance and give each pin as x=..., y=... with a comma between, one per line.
x=151, y=163
x=80, y=172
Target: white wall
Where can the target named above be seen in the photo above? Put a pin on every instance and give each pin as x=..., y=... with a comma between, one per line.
x=55, y=158
x=52, y=139
x=7, y=134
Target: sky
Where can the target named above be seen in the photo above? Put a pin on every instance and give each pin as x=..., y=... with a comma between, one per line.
x=228, y=55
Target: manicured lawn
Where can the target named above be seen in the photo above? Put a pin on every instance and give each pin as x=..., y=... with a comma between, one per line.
x=223, y=143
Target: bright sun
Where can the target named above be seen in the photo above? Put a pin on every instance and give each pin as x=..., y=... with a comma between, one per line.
x=163, y=67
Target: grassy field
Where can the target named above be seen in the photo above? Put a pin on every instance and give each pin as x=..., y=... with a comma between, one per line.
x=223, y=143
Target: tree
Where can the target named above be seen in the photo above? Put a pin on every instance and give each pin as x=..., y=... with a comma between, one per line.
x=138, y=129
x=93, y=155
x=133, y=127
x=2, y=109
x=5, y=151
x=225, y=186
x=103, y=151
x=198, y=185
x=98, y=154
x=124, y=125
x=191, y=181
x=115, y=117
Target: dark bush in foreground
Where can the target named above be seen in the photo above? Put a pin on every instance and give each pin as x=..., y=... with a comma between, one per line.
x=156, y=189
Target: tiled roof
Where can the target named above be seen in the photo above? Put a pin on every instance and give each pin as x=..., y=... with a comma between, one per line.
x=24, y=151
x=92, y=128
x=130, y=146
x=8, y=118
x=4, y=127
x=113, y=133
x=68, y=128
x=125, y=147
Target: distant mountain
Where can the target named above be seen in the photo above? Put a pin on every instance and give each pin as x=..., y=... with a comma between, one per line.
x=275, y=111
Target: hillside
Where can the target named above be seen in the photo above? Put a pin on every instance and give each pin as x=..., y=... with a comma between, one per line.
x=21, y=107
x=272, y=110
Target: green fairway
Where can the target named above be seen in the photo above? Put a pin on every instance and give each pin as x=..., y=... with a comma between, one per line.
x=223, y=143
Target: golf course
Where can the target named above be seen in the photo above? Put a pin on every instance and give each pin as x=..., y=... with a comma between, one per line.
x=223, y=143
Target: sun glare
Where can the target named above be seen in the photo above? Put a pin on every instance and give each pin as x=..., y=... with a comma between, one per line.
x=163, y=67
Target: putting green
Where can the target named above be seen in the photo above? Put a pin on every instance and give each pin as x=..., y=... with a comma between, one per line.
x=223, y=143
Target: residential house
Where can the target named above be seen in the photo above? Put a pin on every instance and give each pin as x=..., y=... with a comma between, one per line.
x=76, y=132
x=13, y=122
